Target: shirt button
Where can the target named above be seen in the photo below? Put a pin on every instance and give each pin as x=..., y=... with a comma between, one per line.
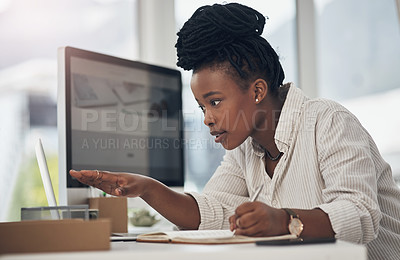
x=274, y=203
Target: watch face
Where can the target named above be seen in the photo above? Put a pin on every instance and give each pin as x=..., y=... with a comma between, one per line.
x=295, y=226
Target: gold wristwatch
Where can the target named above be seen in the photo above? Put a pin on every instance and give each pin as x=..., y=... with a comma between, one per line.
x=295, y=225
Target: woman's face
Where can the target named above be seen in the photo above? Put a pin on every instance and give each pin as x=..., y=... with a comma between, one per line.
x=228, y=110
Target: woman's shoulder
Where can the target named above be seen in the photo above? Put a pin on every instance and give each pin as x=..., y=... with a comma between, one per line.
x=324, y=105
x=328, y=113
x=317, y=106
x=325, y=108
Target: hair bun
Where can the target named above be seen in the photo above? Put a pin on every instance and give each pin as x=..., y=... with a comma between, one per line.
x=212, y=29
x=231, y=32
x=233, y=20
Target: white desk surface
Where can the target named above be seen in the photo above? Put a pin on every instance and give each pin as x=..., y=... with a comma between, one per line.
x=158, y=251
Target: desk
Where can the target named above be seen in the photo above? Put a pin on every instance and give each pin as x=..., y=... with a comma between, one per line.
x=149, y=251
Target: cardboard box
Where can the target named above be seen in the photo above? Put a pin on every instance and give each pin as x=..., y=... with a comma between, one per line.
x=114, y=208
x=54, y=236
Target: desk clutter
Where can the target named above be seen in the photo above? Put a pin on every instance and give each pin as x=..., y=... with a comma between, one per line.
x=59, y=212
x=114, y=208
x=66, y=228
x=63, y=235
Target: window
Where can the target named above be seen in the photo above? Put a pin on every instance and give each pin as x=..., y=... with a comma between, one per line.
x=202, y=155
x=359, y=59
x=30, y=33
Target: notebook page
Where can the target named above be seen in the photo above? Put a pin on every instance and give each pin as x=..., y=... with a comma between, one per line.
x=201, y=234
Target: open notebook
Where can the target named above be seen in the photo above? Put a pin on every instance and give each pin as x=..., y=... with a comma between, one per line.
x=204, y=237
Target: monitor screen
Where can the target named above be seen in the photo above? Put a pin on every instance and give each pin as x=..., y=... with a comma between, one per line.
x=118, y=115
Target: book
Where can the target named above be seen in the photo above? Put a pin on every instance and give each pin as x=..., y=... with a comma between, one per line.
x=206, y=237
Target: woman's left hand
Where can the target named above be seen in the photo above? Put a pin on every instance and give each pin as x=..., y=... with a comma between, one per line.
x=259, y=219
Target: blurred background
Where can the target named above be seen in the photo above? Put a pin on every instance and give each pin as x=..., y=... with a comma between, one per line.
x=345, y=50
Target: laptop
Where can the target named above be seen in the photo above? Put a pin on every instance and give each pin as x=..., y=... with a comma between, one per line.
x=51, y=198
x=44, y=172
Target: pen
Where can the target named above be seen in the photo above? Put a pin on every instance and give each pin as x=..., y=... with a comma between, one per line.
x=252, y=199
x=255, y=195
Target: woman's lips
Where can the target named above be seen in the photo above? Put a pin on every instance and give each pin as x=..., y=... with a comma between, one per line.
x=220, y=137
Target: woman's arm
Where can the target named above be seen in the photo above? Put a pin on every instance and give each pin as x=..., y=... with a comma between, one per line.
x=350, y=209
x=181, y=209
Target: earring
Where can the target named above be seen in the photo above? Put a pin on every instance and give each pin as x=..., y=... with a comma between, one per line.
x=257, y=100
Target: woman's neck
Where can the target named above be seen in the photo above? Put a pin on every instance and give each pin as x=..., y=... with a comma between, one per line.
x=265, y=131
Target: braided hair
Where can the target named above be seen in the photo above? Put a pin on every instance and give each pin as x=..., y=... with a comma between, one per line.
x=229, y=37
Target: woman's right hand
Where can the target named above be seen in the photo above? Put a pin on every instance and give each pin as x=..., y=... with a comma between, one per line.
x=114, y=183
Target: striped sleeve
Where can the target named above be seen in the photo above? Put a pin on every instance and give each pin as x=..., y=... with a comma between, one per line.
x=350, y=193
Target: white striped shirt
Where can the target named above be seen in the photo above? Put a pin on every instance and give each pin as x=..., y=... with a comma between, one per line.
x=329, y=162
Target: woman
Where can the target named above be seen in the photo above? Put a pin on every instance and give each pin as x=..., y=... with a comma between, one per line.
x=323, y=175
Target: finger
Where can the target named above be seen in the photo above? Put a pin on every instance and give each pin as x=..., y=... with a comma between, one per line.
x=237, y=222
x=100, y=176
x=232, y=222
x=81, y=177
x=119, y=191
x=244, y=208
x=115, y=189
x=75, y=174
x=112, y=190
x=94, y=178
x=107, y=182
x=113, y=179
x=260, y=233
x=107, y=176
x=106, y=187
x=249, y=231
x=120, y=181
x=89, y=175
x=247, y=220
x=110, y=183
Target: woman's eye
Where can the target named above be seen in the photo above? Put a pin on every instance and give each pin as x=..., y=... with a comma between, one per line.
x=214, y=102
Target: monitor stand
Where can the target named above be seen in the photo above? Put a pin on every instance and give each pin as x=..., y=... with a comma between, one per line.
x=78, y=196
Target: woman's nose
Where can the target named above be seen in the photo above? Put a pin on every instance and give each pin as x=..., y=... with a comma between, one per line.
x=208, y=119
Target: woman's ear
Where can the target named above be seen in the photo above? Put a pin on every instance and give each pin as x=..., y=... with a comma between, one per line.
x=260, y=90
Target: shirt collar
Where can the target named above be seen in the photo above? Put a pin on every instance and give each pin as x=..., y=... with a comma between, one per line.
x=288, y=119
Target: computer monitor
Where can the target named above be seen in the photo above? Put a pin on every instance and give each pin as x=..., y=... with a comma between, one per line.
x=117, y=115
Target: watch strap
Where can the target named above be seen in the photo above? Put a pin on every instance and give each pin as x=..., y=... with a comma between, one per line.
x=291, y=213
x=295, y=225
